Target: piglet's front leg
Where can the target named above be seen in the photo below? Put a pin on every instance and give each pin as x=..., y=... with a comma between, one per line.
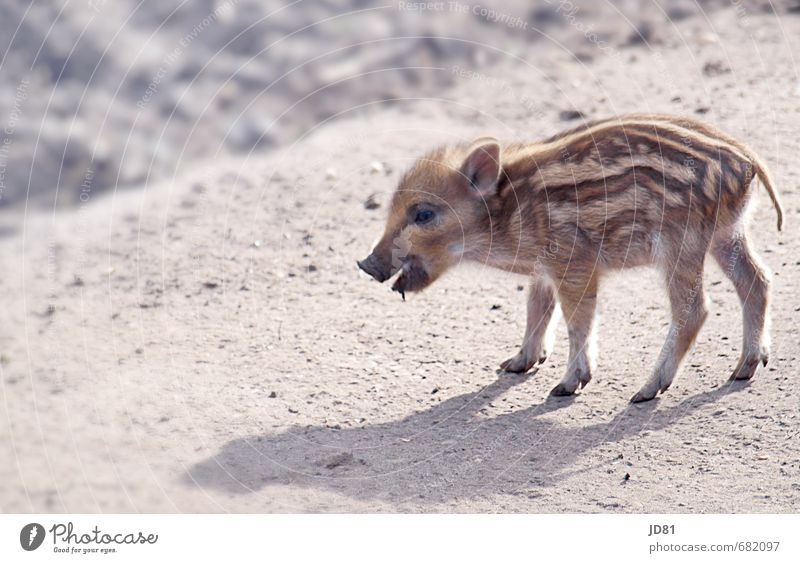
x=538, y=341
x=578, y=303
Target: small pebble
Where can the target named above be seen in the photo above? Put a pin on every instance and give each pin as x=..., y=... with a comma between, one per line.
x=371, y=203
x=706, y=38
x=570, y=115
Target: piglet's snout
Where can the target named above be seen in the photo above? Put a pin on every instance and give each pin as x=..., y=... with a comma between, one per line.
x=376, y=267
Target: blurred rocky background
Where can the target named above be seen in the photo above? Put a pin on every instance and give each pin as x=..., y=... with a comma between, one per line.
x=100, y=94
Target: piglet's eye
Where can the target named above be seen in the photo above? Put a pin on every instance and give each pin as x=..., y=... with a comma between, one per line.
x=423, y=216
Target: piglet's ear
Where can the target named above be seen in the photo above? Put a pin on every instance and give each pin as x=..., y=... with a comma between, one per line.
x=481, y=168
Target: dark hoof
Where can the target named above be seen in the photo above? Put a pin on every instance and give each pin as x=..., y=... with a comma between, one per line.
x=543, y=357
x=512, y=365
x=745, y=370
x=641, y=397
x=584, y=377
x=739, y=376
x=561, y=390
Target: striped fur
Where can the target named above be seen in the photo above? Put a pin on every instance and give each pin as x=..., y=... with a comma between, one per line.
x=621, y=192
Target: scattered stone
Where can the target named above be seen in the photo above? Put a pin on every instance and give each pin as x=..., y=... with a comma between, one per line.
x=343, y=458
x=371, y=202
x=495, y=307
x=702, y=110
x=570, y=115
x=706, y=38
x=272, y=395
x=210, y=285
x=646, y=33
x=376, y=167
x=330, y=174
x=715, y=68
x=679, y=12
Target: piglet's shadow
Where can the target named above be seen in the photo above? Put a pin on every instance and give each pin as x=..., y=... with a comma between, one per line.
x=453, y=450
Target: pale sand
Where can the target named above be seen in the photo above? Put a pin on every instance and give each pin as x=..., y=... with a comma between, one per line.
x=190, y=369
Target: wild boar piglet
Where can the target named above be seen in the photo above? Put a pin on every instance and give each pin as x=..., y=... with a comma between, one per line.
x=636, y=190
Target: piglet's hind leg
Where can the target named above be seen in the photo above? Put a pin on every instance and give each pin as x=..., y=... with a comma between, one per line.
x=751, y=280
x=688, y=304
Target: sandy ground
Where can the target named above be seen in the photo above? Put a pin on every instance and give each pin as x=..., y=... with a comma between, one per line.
x=94, y=83
x=207, y=344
